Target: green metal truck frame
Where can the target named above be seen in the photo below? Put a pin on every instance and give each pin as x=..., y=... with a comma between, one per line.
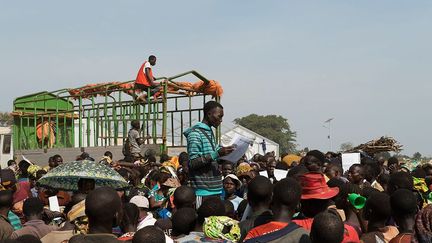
x=103, y=117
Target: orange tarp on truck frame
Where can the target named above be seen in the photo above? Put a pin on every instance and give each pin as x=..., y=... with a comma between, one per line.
x=212, y=88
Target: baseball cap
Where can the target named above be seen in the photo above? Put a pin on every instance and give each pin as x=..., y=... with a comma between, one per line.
x=235, y=178
x=140, y=201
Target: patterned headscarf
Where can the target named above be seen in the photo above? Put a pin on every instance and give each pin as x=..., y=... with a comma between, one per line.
x=81, y=225
x=32, y=169
x=78, y=210
x=78, y=218
x=215, y=227
x=423, y=226
x=420, y=184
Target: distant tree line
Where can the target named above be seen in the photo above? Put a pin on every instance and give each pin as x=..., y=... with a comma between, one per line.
x=6, y=119
x=274, y=127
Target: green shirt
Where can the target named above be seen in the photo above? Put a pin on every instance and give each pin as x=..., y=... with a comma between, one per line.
x=14, y=220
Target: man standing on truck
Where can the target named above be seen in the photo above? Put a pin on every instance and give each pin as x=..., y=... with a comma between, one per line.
x=204, y=153
x=146, y=80
x=131, y=149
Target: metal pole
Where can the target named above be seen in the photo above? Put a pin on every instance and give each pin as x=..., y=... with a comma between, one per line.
x=80, y=123
x=73, y=142
x=164, y=119
x=21, y=132
x=329, y=132
x=57, y=125
x=106, y=121
x=88, y=128
x=330, y=138
x=35, y=124
x=65, y=124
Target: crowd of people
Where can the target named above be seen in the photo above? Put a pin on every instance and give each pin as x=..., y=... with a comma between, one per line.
x=199, y=197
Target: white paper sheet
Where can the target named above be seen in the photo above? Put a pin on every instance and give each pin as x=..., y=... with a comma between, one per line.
x=28, y=161
x=173, y=173
x=241, y=146
x=54, y=204
x=349, y=159
x=278, y=173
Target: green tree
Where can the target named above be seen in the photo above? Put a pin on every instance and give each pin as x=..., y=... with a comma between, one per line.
x=417, y=156
x=346, y=146
x=273, y=127
x=6, y=119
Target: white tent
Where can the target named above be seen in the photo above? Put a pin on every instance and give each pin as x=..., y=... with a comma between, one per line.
x=258, y=139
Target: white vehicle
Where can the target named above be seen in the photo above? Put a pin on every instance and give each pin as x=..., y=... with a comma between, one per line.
x=6, y=150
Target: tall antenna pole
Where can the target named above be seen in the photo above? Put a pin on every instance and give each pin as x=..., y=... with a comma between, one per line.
x=329, y=132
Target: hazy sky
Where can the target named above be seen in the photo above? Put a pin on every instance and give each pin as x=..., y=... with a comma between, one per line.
x=365, y=63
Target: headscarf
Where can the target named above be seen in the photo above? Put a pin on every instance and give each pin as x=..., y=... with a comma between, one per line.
x=214, y=227
x=423, y=226
x=174, y=162
x=243, y=169
x=291, y=158
x=106, y=160
x=78, y=210
x=420, y=185
x=32, y=169
x=169, y=168
x=78, y=218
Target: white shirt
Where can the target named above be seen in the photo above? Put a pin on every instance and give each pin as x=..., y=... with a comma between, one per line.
x=150, y=221
x=147, y=221
x=168, y=239
x=146, y=65
x=236, y=202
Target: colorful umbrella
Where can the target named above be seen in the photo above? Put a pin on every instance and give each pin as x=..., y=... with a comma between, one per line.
x=66, y=176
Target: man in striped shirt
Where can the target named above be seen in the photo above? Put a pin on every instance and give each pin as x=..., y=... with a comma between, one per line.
x=204, y=153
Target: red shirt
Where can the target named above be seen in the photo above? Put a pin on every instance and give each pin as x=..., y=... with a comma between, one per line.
x=265, y=229
x=350, y=234
x=141, y=76
x=22, y=192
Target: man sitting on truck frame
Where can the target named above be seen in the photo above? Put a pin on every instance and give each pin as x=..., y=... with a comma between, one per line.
x=146, y=80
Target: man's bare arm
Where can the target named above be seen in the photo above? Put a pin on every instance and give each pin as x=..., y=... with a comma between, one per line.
x=150, y=78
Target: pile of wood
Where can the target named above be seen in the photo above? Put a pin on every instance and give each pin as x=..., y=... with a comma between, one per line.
x=383, y=144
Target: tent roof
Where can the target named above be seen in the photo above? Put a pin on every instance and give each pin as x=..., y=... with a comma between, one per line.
x=249, y=131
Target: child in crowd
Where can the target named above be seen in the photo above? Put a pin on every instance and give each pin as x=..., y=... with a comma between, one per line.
x=231, y=184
